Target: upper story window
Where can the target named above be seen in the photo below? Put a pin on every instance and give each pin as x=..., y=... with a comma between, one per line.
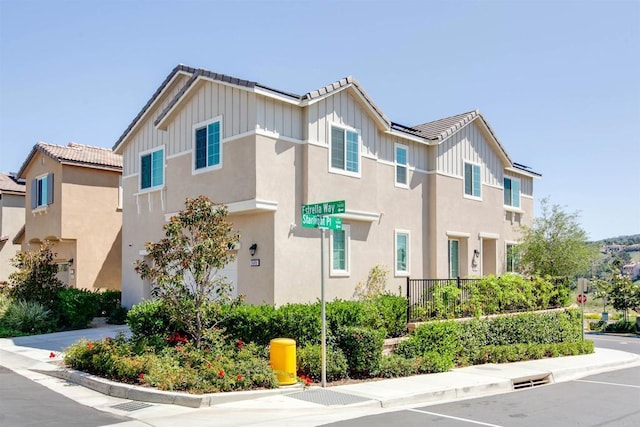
x=512, y=192
x=402, y=253
x=401, y=165
x=207, y=149
x=472, y=180
x=42, y=191
x=152, y=169
x=339, y=245
x=345, y=151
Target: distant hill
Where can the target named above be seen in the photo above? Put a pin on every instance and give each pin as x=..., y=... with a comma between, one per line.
x=633, y=239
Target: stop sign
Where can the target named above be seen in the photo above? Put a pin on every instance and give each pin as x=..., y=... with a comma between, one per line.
x=582, y=298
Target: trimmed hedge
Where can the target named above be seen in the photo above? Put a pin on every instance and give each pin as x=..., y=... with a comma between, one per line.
x=362, y=348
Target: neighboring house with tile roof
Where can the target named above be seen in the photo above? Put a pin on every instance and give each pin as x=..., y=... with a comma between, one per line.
x=11, y=220
x=73, y=200
x=439, y=199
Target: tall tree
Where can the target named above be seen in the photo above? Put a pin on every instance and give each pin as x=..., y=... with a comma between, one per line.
x=555, y=244
x=184, y=267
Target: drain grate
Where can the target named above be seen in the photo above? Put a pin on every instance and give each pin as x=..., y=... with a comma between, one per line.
x=531, y=382
x=327, y=397
x=131, y=406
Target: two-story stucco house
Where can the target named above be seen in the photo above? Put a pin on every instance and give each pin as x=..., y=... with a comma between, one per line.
x=73, y=200
x=440, y=199
x=11, y=220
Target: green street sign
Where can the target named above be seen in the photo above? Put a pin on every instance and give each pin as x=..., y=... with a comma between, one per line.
x=325, y=208
x=320, y=221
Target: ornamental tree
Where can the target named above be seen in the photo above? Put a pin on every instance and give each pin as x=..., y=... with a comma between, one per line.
x=555, y=245
x=184, y=267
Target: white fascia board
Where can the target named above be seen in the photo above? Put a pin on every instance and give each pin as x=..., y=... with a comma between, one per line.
x=460, y=234
x=245, y=206
x=521, y=172
x=409, y=137
x=359, y=216
x=277, y=96
x=492, y=236
x=253, y=205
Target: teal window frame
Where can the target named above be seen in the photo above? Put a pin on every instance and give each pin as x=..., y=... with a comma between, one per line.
x=207, y=145
x=512, y=258
x=402, y=169
x=344, y=150
x=511, y=192
x=454, y=258
x=152, y=169
x=472, y=180
x=42, y=191
x=402, y=248
x=340, y=251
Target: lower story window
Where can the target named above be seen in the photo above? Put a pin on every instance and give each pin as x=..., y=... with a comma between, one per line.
x=402, y=253
x=454, y=258
x=512, y=258
x=339, y=245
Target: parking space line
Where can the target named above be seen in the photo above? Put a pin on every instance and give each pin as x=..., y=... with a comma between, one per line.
x=455, y=418
x=606, y=383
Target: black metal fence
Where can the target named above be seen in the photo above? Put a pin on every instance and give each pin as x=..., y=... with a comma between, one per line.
x=429, y=298
x=451, y=298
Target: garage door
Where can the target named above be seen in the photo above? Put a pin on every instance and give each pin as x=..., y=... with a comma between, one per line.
x=230, y=272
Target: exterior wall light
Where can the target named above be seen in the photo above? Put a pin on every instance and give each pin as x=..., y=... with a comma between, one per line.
x=253, y=249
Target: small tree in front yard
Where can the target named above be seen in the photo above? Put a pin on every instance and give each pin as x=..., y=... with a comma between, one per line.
x=35, y=276
x=184, y=266
x=624, y=294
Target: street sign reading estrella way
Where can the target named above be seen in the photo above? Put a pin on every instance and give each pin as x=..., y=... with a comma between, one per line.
x=316, y=215
x=325, y=208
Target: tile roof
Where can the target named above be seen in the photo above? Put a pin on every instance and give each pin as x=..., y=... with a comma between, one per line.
x=78, y=154
x=443, y=128
x=10, y=184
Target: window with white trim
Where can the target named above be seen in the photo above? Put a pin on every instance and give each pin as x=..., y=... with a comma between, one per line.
x=345, y=150
x=454, y=258
x=402, y=175
x=207, y=146
x=152, y=169
x=511, y=192
x=401, y=256
x=42, y=191
x=472, y=180
x=513, y=258
x=339, y=243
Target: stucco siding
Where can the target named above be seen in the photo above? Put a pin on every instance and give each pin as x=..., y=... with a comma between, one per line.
x=11, y=220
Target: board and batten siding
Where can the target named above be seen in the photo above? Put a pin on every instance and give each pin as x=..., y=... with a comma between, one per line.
x=279, y=117
x=147, y=136
x=469, y=144
x=343, y=109
x=237, y=108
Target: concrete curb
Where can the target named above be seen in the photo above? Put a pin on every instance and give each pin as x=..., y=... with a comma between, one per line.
x=144, y=394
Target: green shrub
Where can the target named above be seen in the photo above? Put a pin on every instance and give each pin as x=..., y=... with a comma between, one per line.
x=342, y=314
x=309, y=362
x=598, y=326
x=252, y=323
x=395, y=366
x=363, y=349
x=302, y=322
x=391, y=314
x=621, y=326
x=517, y=352
x=432, y=362
x=75, y=308
x=150, y=319
x=28, y=316
x=439, y=336
x=118, y=316
x=109, y=301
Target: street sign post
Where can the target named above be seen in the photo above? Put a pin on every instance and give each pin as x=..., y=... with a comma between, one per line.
x=318, y=215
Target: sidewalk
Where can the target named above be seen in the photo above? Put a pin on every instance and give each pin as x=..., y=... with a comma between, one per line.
x=31, y=355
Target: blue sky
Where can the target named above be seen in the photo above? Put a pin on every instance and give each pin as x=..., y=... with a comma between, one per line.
x=558, y=81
